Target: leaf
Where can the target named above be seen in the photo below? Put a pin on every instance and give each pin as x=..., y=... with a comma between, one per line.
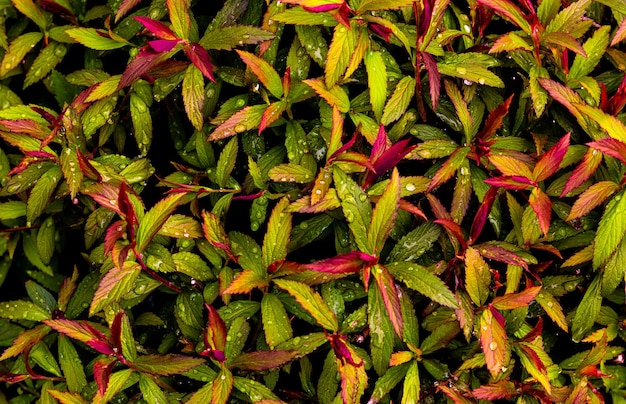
x=71, y=365
x=356, y=208
x=42, y=192
x=550, y=161
x=377, y=81
x=415, y=243
x=448, y=168
x=353, y=382
x=116, y=283
x=477, y=277
x=46, y=61
x=276, y=324
x=32, y=11
x=94, y=39
x=420, y=279
x=384, y=215
x=341, y=49
x=592, y=197
x=246, y=119
x=335, y=96
x=375, y=5
x=165, y=365
x=611, y=230
x=290, y=172
x=347, y=263
x=389, y=294
x=584, y=171
x=595, y=48
x=512, y=301
x=226, y=38
x=154, y=220
x=226, y=162
x=262, y=360
x=311, y=301
x=552, y=308
x=25, y=341
x=115, y=384
x=222, y=386
x=277, y=236
x=530, y=356
x=510, y=12
x=613, y=147
x=194, y=96
x=22, y=310
x=461, y=108
x=542, y=206
x=150, y=390
x=587, y=310
x=264, y=72
x=12, y=210
x=399, y=101
x=494, y=391
x=65, y=397
x=82, y=331
x=245, y=282
x=494, y=343
x=473, y=72
x=18, y=49
x=178, y=11
x=510, y=166
x=620, y=34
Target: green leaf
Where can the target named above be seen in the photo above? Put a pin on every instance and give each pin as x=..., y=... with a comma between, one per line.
x=154, y=220
x=32, y=11
x=377, y=81
x=384, y=215
x=311, y=301
x=248, y=251
x=181, y=226
x=411, y=390
x=142, y=122
x=65, y=397
x=472, y=67
x=552, y=308
x=388, y=381
x=94, y=39
x=40, y=296
x=277, y=236
x=22, y=310
x=334, y=95
x=356, y=208
x=180, y=17
x=399, y=100
x=71, y=365
x=381, y=330
x=587, y=310
x=595, y=48
x=299, y=16
x=254, y=390
x=46, y=61
x=244, y=120
x=194, y=95
x=341, y=49
x=165, y=365
x=477, y=277
x=230, y=37
x=264, y=72
x=276, y=324
x=25, y=340
x=222, y=386
x=114, y=284
x=226, y=162
x=290, y=172
x=191, y=264
x=116, y=384
x=18, y=49
x=150, y=390
x=41, y=193
x=420, y=279
x=611, y=230
x=313, y=41
x=12, y=210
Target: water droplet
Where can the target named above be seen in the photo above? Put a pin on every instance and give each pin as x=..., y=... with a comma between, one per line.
x=461, y=70
x=493, y=346
x=410, y=187
x=240, y=128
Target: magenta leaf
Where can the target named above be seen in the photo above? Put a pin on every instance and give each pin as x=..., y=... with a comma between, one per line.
x=351, y=262
x=481, y=216
x=102, y=371
x=613, y=147
x=550, y=161
x=159, y=29
x=200, y=58
x=163, y=45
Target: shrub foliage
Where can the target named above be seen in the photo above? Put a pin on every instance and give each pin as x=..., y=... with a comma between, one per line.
x=312, y=201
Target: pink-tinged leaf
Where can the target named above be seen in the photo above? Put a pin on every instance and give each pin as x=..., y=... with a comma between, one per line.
x=322, y=8
x=508, y=42
x=262, y=360
x=510, y=166
x=501, y=254
x=356, y=158
x=514, y=183
x=165, y=365
x=481, y=216
x=215, y=338
x=509, y=11
x=27, y=126
x=494, y=391
x=613, y=147
x=82, y=331
x=125, y=7
x=158, y=28
x=351, y=262
x=86, y=167
x=264, y=72
x=180, y=17
x=65, y=397
x=353, y=381
x=389, y=293
x=512, y=301
x=454, y=394
x=154, y=219
x=592, y=197
x=412, y=209
x=141, y=65
x=437, y=207
x=247, y=119
x=311, y=301
x=448, y=168
x=117, y=282
x=494, y=120
x=245, y=282
x=25, y=341
x=200, y=58
x=494, y=343
x=550, y=161
x=583, y=172
x=113, y=234
x=271, y=114
x=530, y=355
x=102, y=372
x=434, y=78
x=620, y=34
x=617, y=102
x=342, y=350
x=541, y=204
x=454, y=230
x=384, y=215
x=163, y=45
x=13, y=377
x=388, y=159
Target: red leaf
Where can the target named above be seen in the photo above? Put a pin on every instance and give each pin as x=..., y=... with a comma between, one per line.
x=583, y=172
x=384, y=32
x=102, y=371
x=384, y=157
x=351, y=262
x=434, y=78
x=412, y=209
x=493, y=391
x=454, y=229
x=501, y=254
x=140, y=65
x=515, y=183
x=513, y=301
x=163, y=45
x=618, y=100
x=12, y=377
x=26, y=126
x=262, y=360
x=83, y=332
x=87, y=168
x=549, y=162
x=125, y=7
x=612, y=147
x=200, y=58
x=592, y=197
x=481, y=216
x=342, y=350
x=542, y=206
x=494, y=120
x=389, y=293
x=322, y=8
x=271, y=115
x=215, y=336
x=115, y=232
x=158, y=28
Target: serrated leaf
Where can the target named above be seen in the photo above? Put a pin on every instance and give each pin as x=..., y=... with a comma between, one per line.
x=165, y=365
x=493, y=340
x=388, y=381
x=94, y=39
x=246, y=119
x=225, y=38
x=32, y=11
x=191, y=264
x=374, y=5
x=448, y=168
x=154, y=219
x=611, y=230
x=264, y=72
x=553, y=309
x=12, y=210
x=587, y=310
x=226, y=162
x=25, y=340
x=384, y=215
x=277, y=236
x=142, y=122
x=473, y=72
x=181, y=226
x=389, y=295
x=311, y=301
x=46, y=242
x=150, y=390
x=42, y=192
x=420, y=279
x=542, y=206
x=415, y=243
x=194, y=96
x=115, y=384
x=180, y=17
x=595, y=48
x=399, y=101
x=334, y=95
x=23, y=310
x=593, y=196
x=18, y=48
x=71, y=365
x=340, y=51
x=530, y=355
x=276, y=324
x=353, y=381
x=550, y=161
x=262, y=360
x=477, y=277
x=512, y=301
x=45, y=62
x=116, y=283
x=356, y=208
x=290, y=172
x=494, y=391
x=510, y=12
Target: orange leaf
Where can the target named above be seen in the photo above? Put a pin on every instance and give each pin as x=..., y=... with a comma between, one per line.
x=513, y=301
x=494, y=343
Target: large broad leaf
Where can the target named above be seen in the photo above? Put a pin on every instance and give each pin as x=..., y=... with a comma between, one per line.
x=154, y=220
x=384, y=215
x=611, y=230
x=494, y=342
x=311, y=301
x=420, y=279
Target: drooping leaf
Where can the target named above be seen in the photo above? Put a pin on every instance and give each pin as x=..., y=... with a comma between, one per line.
x=23, y=310
x=494, y=391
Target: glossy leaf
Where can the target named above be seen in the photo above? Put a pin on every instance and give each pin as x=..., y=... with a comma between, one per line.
x=610, y=231
x=356, y=208
x=276, y=324
x=420, y=279
x=155, y=218
x=494, y=343
x=477, y=277
x=311, y=301
x=383, y=217
x=399, y=100
x=264, y=72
